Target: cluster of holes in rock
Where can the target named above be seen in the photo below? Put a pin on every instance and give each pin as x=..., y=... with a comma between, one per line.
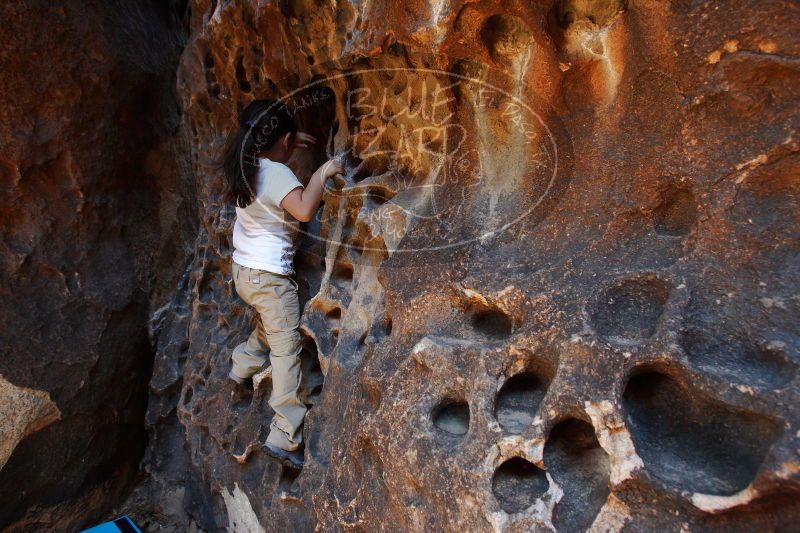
x=577, y=464
x=687, y=440
x=518, y=398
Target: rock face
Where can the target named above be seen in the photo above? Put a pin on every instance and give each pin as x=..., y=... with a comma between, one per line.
x=93, y=193
x=556, y=290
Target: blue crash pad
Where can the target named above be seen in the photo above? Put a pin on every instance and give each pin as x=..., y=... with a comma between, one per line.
x=123, y=524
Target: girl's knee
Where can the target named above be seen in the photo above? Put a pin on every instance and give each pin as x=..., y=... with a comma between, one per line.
x=285, y=343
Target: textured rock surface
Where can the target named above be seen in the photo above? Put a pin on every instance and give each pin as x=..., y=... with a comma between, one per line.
x=559, y=292
x=624, y=357
x=91, y=186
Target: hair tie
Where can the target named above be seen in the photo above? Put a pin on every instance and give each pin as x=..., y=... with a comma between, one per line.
x=250, y=123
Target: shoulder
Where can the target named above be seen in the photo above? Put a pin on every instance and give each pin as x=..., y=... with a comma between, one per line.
x=274, y=171
x=274, y=167
x=278, y=180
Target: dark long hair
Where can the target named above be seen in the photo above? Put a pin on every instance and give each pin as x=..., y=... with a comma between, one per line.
x=261, y=124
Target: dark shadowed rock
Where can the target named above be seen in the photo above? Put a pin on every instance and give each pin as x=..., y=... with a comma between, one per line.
x=95, y=228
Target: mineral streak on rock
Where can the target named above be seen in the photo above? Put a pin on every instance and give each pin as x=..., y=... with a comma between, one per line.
x=555, y=290
x=615, y=440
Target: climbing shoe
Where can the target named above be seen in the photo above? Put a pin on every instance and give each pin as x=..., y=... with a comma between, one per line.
x=237, y=379
x=292, y=459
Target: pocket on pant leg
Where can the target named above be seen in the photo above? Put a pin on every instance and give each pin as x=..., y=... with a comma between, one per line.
x=240, y=281
x=277, y=302
x=290, y=303
x=267, y=302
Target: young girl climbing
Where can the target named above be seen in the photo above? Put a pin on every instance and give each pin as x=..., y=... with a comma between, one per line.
x=270, y=202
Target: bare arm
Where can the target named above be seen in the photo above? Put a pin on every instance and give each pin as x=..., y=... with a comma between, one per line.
x=303, y=203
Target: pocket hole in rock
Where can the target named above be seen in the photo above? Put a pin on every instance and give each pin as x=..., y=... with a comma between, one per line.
x=492, y=323
x=343, y=272
x=208, y=61
x=677, y=213
x=692, y=442
x=452, y=416
x=736, y=357
x=581, y=468
x=629, y=311
x=517, y=484
x=518, y=400
x=379, y=195
x=386, y=325
x=599, y=13
x=576, y=26
x=381, y=327
x=287, y=483
x=505, y=36
x=312, y=378
x=241, y=74
x=187, y=396
x=370, y=395
x=242, y=403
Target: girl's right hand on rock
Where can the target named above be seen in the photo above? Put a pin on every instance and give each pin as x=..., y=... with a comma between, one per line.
x=331, y=168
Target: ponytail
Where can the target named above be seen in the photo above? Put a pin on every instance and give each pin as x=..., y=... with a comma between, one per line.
x=261, y=124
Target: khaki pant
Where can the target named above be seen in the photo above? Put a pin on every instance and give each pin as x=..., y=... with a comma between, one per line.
x=274, y=296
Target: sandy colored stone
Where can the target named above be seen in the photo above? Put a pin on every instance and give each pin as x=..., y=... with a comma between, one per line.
x=23, y=412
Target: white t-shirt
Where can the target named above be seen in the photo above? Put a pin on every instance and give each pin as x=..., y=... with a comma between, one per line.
x=264, y=233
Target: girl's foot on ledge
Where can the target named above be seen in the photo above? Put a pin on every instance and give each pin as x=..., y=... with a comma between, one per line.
x=292, y=459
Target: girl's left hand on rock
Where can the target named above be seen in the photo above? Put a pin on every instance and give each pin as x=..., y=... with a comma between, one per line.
x=303, y=140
